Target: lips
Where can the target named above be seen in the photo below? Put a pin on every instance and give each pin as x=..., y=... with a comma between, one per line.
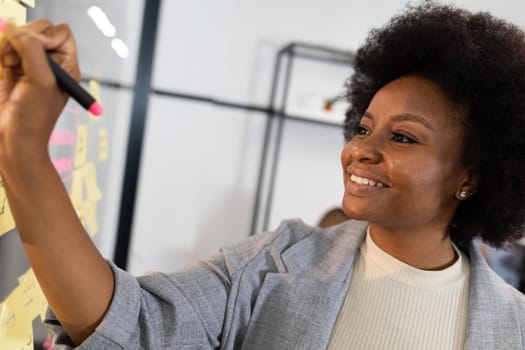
x=365, y=178
x=366, y=181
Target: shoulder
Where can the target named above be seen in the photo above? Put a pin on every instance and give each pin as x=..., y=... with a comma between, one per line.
x=519, y=300
x=515, y=300
x=493, y=291
x=515, y=297
x=293, y=234
x=287, y=234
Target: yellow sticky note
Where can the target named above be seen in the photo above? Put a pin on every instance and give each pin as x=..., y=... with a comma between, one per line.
x=92, y=189
x=94, y=89
x=93, y=197
x=103, y=147
x=7, y=321
x=90, y=218
x=19, y=336
x=85, y=195
x=81, y=146
x=34, y=302
x=76, y=192
x=13, y=11
x=17, y=313
x=7, y=223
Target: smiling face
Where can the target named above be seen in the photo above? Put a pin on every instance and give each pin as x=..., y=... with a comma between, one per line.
x=404, y=168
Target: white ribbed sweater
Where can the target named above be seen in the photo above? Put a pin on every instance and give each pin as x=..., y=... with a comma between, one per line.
x=392, y=305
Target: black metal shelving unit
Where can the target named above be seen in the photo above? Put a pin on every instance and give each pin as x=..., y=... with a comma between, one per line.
x=273, y=133
x=277, y=115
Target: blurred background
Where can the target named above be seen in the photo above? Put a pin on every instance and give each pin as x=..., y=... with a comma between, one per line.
x=222, y=118
x=233, y=111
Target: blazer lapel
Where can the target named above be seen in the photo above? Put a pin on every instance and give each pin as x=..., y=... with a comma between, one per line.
x=492, y=321
x=298, y=309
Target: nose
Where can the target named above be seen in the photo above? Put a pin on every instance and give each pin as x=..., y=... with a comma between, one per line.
x=365, y=151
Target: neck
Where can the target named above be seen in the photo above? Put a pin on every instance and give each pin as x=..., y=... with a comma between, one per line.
x=426, y=249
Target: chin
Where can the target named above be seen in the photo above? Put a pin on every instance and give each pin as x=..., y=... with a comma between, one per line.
x=356, y=213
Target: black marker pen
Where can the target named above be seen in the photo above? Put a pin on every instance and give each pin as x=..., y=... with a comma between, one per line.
x=73, y=89
x=68, y=84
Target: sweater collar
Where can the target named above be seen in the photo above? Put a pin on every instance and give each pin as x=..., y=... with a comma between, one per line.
x=409, y=275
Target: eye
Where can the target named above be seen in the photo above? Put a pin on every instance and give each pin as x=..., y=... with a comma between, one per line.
x=397, y=137
x=361, y=130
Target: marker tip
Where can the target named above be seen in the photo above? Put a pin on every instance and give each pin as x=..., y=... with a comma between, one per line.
x=96, y=109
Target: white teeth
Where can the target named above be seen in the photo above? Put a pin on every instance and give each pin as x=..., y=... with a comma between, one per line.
x=365, y=181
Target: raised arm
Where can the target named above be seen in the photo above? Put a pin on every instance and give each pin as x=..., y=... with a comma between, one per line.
x=75, y=278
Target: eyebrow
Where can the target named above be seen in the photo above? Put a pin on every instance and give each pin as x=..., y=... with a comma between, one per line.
x=406, y=116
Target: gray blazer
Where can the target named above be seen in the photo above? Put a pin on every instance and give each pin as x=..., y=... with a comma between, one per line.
x=277, y=290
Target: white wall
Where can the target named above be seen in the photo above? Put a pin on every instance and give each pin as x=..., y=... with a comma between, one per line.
x=200, y=162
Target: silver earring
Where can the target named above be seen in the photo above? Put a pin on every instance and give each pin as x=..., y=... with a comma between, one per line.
x=463, y=194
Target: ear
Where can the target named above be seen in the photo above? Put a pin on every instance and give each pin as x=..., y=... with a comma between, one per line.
x=468, y=186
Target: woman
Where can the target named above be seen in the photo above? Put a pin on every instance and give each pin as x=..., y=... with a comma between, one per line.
x=435, y=138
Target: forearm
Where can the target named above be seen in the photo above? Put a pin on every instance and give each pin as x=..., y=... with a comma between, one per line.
x=75, y=278
x=73, y=275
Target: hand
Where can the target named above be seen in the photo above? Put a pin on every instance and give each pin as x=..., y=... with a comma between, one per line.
x=30, y=100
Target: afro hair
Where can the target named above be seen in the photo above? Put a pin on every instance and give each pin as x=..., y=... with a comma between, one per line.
x=479, y=61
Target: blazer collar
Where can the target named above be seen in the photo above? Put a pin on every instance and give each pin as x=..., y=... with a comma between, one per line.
x=302, y=302
x=328, y=256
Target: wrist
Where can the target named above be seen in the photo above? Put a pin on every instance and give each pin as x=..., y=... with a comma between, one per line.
x=24, y=163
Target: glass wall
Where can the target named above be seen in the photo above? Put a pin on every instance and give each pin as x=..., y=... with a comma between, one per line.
x=88, y=152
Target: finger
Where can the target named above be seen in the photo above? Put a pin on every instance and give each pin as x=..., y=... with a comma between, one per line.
x=4, y=45
x=41, y=37
x=50, y=37
x=9, y=77
x=64, y=52
x=6, y=49
x=59, y=35
x=39, y=26
x=30, y=49
x=15, y=72
x=10, y=59
x=60, y=44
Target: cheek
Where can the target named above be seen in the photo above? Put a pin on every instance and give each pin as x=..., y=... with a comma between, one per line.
x=418, y=174
x=345, y=154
